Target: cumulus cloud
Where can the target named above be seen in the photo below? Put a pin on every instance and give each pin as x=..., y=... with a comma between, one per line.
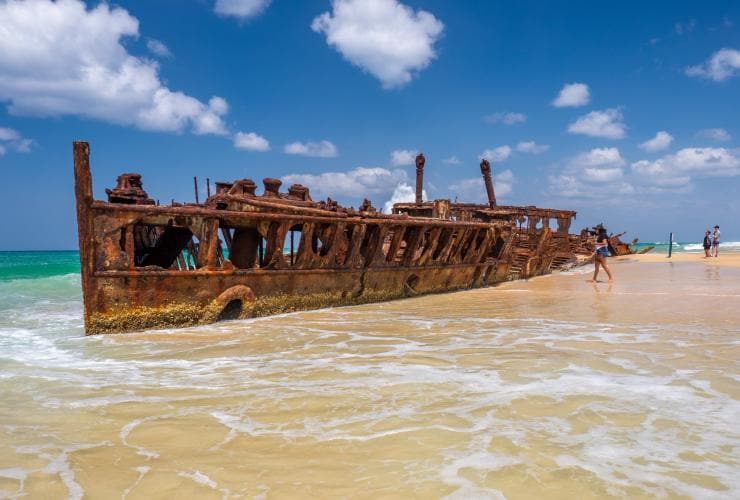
x=661, y=141
x=473, y=190
x=531, y=147
x=506, y=117
x=607, y=124
x=355, y=184
x=714, y=134
x=572, y=95
x=158, y=48
x=401, y=157
x=593, y=174
x=723, y=64
x=321, y=149
x=61, y=58
x=241, y=9
x=385, y=38
x=678, y=169
x=403, y=193
x=12, y=140
x=452, y=160
x=251, y=141
x=496, y=155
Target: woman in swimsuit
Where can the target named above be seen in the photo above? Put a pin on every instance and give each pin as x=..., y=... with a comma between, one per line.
x=602, y=252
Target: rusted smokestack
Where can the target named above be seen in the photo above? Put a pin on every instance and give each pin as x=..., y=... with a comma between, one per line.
x=420, y=160
x=485, y=169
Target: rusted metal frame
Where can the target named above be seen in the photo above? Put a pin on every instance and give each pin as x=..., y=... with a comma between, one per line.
x=413, y=242
x=273, y=203
x=378, y=257
x=209, y=243
x=328, y=252
x=84, y=202
x=398, y=234
x=444, y=253
x=130, y=246
x=456, y=256
x=168, y=273
x=480, y=252
x=306, y=255
x=431, y=246
x=354, y=258
x=276, y=233
x=230, y=216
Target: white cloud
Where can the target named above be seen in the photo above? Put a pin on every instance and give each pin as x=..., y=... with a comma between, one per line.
x=452, y=160
x=531, y=147
x=593, y=174
x=715, y=134
x=386, y=38
x=679, y=168
x=357, y=183
x=473, y=190
x=11, y=139
x=403, y=193
x=572, y=95
x=241, y=9
x=251, y=141
x=8, y=134
x=506, y=117
x=723, y=64
x=607, y=124
x=59, y=58
x=661, y=141
x=687, y=27
x=496, y=155
x=401, y=157
x=599, y=165
x=658, y=173
x=321, y=149
x=158, y=48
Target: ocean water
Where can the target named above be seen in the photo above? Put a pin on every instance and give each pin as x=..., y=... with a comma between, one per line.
x=553, y=387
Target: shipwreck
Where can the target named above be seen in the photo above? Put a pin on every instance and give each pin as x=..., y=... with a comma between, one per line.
x=241, y=254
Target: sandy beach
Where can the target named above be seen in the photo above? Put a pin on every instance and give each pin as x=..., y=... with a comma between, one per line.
x=725, y=259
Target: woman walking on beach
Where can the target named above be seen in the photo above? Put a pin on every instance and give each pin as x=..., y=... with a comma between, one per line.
x=602, y=252
x=707, y=244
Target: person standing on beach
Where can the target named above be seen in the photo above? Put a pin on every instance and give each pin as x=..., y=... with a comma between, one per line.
x=715, y=242
x=707, y=244
x=602, y=252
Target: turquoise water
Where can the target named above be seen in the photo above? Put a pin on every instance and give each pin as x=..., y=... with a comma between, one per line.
x=31, y=265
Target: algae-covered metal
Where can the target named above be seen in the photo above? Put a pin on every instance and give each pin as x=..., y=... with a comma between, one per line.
x=239, y=254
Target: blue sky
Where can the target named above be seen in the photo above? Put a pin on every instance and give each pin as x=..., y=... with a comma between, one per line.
x=624, y=111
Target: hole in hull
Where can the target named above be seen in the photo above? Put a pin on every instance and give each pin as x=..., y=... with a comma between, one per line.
x=232, y=310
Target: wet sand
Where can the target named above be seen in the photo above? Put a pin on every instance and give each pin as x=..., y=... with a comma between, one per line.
x=553, y=387
x=725, y=259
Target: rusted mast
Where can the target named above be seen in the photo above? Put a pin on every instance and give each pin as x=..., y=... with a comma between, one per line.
x=485, y=169
x=420, y=160
x=84, y=197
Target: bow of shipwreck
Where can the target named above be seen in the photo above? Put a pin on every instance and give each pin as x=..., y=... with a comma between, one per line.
x=239, y=254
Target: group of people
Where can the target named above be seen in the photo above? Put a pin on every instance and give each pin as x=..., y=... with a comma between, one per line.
x=711, y=243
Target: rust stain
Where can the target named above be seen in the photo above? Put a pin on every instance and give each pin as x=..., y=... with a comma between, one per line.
x=239, y=254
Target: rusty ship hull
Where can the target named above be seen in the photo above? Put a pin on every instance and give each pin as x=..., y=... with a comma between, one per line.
x=240, y=255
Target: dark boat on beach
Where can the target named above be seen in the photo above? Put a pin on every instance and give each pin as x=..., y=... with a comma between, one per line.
x=239, y=254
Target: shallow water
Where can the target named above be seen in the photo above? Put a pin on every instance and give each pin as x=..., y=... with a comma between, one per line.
x=550, y=387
